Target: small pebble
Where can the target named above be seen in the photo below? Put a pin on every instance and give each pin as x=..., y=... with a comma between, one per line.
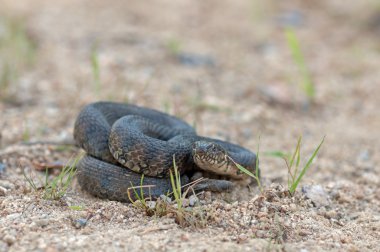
x=242, y=237
x=284, y=208
x=293, y=18
x=42, y=222
x=185, y=237
x=185, y=202
x=316, y=194
x=193, y=200
x=345, y=239
x=304, y=232
x=343, y=198
x=80, y=223
x=260, y=234
x=6, y=184
x=207, y=195
x=195, y=60
x=151, y=204
x=2, y=168
x=9, y=239
x=13, y=216
x=228, y=207
x=3, y=191
x=292, y=207
x=3, y=246
x=262, y=214
x=331, y=214
x=166, y=198
x=364, y=156
x=264, y=209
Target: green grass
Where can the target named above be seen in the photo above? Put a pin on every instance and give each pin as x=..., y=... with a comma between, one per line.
x=255, y=176
x=142, y=201
x=183, y=216
x=56, y=188
x=278, y=154
x=31, y=182
x=295, y=175
x=77, y=208
x=307, y=83
x=26, y=133
x=295, y=172
x=167, y=106
x=17, y=52
x=140, y=198
x=94, y=58
x=175, y=180
x=174, y=46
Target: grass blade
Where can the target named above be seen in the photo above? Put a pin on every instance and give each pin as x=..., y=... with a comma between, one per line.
x=278, y=154
x=294, y=45
x=297, y=161
x=241, y=168
x=257, y=175
x=30, y=181
x=175, y=181
x=295, y=152
x=292, y=174
x=95, y=68
x=306, y=167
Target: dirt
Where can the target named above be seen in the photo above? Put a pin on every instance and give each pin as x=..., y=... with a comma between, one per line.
x=224, y=66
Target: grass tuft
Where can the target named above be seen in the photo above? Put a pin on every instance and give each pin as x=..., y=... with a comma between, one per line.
x=31, y=182
x=17, y=52
x=293, y=165
x=174, y=46
x=307, y=83
x=194, y=217
x=140, y=198
x=175, y=180
x=56, y=188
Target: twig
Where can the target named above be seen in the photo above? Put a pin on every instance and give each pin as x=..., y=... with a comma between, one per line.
x=41, y=142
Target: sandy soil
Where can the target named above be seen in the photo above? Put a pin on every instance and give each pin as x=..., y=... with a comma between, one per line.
x=224, y=66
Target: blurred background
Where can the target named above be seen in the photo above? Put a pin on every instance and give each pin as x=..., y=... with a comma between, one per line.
x=234, y=69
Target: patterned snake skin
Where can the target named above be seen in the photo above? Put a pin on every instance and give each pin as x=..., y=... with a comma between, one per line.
x=123, y=141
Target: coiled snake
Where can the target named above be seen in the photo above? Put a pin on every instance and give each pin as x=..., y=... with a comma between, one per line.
x=123, y=141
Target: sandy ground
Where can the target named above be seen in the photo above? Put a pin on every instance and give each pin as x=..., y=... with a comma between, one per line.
x=224, y=66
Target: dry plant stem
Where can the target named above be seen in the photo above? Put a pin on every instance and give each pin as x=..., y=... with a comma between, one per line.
x=67, y=142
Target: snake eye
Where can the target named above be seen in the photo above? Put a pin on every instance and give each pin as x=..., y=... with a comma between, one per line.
x=211, y=147
x=216, y=149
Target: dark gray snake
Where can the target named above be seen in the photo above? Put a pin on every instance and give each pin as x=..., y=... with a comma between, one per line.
x=123, y=141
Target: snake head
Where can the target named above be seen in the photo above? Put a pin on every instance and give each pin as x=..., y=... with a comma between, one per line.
x=209, y=156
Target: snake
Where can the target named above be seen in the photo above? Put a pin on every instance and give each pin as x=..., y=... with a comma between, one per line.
x=128, y=146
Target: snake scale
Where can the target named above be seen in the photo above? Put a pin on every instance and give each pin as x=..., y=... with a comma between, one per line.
x=123, y=141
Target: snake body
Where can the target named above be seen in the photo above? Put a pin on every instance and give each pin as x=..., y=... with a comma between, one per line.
x=123, y=141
